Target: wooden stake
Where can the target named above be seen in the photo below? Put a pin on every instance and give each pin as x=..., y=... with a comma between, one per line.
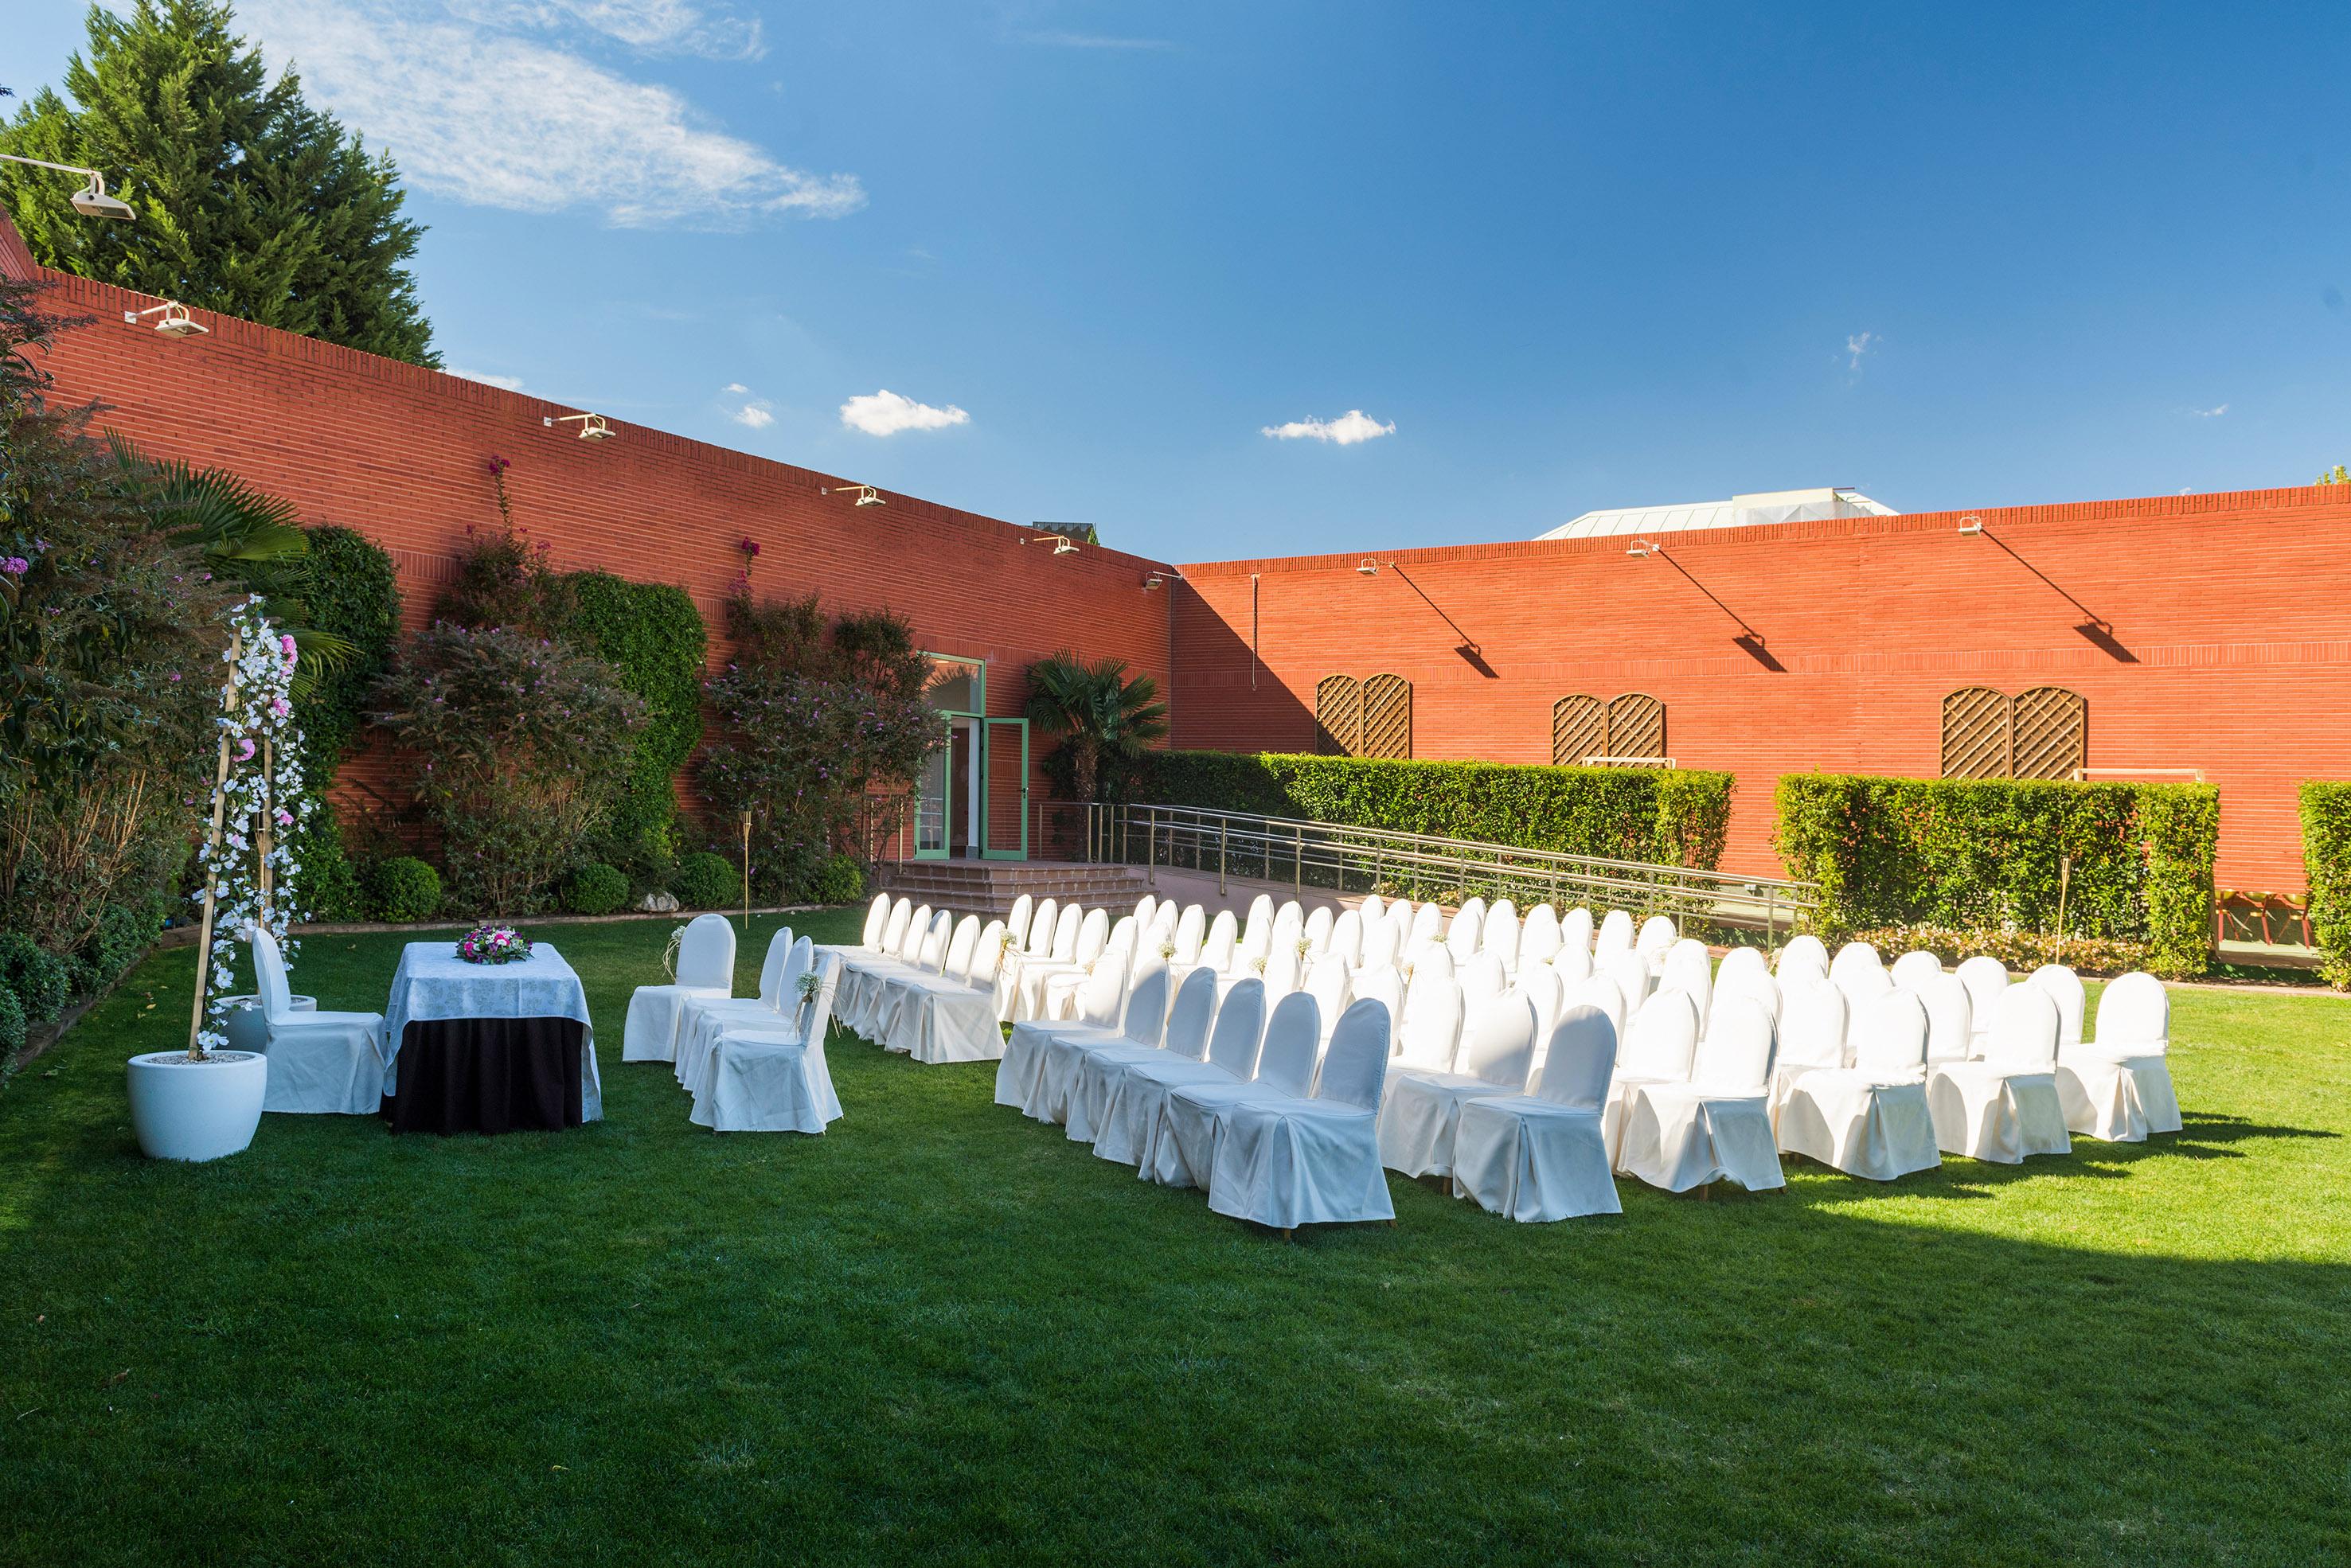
x=212, y=863
x=261, y=838
x=747, y=875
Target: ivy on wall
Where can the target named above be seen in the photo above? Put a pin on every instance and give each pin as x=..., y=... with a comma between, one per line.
x=2326, y=855
x=651, y=633
x=352, y=590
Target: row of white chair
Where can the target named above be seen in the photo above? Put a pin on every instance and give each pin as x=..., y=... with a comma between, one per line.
x=751, y=1063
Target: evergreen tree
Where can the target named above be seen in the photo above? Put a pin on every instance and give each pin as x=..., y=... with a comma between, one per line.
x=250, y=202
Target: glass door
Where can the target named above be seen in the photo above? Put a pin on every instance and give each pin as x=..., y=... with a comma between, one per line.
x=1004, y=795
x=931, y=806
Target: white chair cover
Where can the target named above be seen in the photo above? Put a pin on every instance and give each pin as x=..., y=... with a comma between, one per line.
x=951, y=1017
x=1384, y=985
x=1575, y=928
x=699, y=1035
x=1863, y=984
x=1913, y=970
x=1950, y=1024
x=1599, y=991
x=1131, y=1110
x=1382, y=945
x=1501, y=935
x=2118, y=1088
x=1423, y=1107
x=1222, y=950
x=1184, y=1144
x=1805, y=949
x=1427, y=925
x=1689, y=969
x=775, y=1080
x=697, y=1016
x=1482, y=986
x=1327, y=981
x=1133, y=1016
x=2066, y=987
x=1750, y=984
x=1657, y=938
x=1573, y=965
x=1658, y=1045
x=1538, y=937
x=2004, y=1107
x=1466, y=931
x=1870, y=1119
x=1812, y=1035
x=1346, y=941
x=863, y=977
x=1428, y=1032
x=1017, y=919
x=1543, y=1156
x=1191, y=929
x=1717, y=1126
x=1292, y=1162
x=1986, y=978
x=1079, y=1079
x=320, y=1063
x=705, y=967
x=1319, y=927
x=1059, y=991
x=1371, y=908
x=1630, y=973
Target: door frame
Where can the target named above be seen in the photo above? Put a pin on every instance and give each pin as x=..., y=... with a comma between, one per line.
x=980, y=765
x=988, y=729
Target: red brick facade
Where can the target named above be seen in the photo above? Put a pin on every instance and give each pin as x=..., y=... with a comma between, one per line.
x=2218, y=627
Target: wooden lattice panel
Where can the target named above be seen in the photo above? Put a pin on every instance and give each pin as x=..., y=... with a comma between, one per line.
x=1387, y=716
x=1636, y=725
x=1339, y=717
x=1976, y=733
x=2050, y=733
x=1578, y=729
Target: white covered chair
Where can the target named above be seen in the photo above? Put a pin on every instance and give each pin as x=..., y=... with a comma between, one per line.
x=1717, y=1125
x=1539, y=936
x=2118, y=1087
x=1689, y=969
x=1345, y=942
x=699, y=1034
x=1950, y=1016
x=1383, y=945
x=1871, y=1119
x=1319, y=924
x=1543, y=1156
x=1659, y=935
x=775, y=1080
x=1573, y=965
x=1862, y=980
x=1575, y=928
x=2064, y=988
x=1913, y=970
x=1220, y=949
x=1079, y=1076
x=1985, y=978
x=1428, y=1030
x=1752, y=983
x=953, y=958
x=1466, y=931
x=1805, y=950
x=1371, y=907
x=1423, y=1106
x=1501, y=935
x=1599, y=991
x=1854, y=957
x=1079, y=938
x=705, y=967
x=1133, y=1016
x=1631, y=972
x=1328, y=979
x=1138, y=1090
x=1812, y=1035
x=1483, y=985
x=1738, y=961
x=951, y=1016
x=1184, y=1144
x=1191, y=930
x=858, y=994
x=1035, y=946
x=320, y=1063
x=1284, y=1163
x=1615, y=934
x=1658, y=1045
x=1061, y=987
x=2004, y=1107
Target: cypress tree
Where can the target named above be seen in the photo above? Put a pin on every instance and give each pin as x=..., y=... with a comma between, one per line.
x=251, y=202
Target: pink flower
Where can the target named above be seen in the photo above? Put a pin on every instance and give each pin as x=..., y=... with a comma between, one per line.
x=280, y=706
x=245, y=750
x=286, y=646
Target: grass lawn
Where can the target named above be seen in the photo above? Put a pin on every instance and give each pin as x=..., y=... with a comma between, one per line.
x=942, y=1331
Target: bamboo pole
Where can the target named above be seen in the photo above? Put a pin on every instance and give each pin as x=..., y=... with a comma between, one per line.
x=262, y=836
x=746, y=873
x=212, y=862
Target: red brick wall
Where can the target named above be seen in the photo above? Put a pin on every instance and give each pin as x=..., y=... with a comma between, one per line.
x=2230, y=614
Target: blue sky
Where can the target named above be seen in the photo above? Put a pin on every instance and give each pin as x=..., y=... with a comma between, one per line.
x=1575, y=256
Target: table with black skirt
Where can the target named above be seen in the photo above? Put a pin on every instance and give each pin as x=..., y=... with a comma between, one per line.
x=488, y=1048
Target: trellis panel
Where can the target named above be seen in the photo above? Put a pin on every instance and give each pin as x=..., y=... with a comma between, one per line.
x=1975, y=735
x=2049, y=733
x=1636, y=725
x=1578, y=729
x=1387, y=716
x=1339, y=717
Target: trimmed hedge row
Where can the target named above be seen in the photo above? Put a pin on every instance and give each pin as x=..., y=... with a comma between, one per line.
x=1672, y=817
x=654, y=635
x=2327, y=855
x=1986, y=854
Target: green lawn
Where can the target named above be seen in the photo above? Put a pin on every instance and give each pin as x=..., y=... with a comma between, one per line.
x=941, y=1330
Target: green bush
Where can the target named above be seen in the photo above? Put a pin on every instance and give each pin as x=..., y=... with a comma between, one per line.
x=1987, y=855
x=12, y=1025
x=597, y=889
x=651, y=633
x=840, y=880
x=2326, y=853
x=2021, y=951
x=42, y=983
x=708, y=881
x=125, y=931
x=404, y=888
x=1662, y=816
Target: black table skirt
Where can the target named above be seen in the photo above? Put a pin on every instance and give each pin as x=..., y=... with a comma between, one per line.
x=488, y=1075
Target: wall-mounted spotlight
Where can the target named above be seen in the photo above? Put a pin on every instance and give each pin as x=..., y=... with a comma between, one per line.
x=1970, y=524
x=1063, y=543
x=176, y=322
x=1643, y=549
x=1153, y=582
x=867, y=496
x=91, y=200
x=591, y=426
x=1369, y=568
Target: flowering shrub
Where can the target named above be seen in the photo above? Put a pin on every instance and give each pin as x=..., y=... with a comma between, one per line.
x=493, y=945
x=2022, y=951
x=519, y=744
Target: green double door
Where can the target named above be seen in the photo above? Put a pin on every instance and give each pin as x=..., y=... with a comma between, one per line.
x=972, y=800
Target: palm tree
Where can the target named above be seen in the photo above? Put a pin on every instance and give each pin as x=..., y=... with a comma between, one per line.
x=1097, y=710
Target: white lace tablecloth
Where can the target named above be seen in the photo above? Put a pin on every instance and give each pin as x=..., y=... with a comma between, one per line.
x=433, y=984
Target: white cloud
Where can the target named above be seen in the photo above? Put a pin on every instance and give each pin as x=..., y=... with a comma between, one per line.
x=2213, y=412
x=735, y=387
x=1859, y=344
x=655, y=27
x=1348, y=428
x=500, y=120
x=885, y=413
x=1094, y=41
x=488, y=379
x=757, y=413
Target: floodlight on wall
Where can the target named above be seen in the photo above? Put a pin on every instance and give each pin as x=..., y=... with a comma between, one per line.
x=1063, y=543
x=1642, y=549
x=91, y=200
x=176, y=322
x=591, y=426
x=867, y=496
x=1369, y=568
x=1970, y=524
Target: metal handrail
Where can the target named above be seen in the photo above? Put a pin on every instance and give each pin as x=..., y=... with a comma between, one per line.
x=1335, y=855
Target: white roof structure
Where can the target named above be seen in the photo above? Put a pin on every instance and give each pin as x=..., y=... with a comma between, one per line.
x=1739, y=512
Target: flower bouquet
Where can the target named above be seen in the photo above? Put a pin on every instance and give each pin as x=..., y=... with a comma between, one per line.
x=493, y=944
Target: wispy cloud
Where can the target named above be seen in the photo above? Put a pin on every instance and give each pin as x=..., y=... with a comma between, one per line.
x=1348, y=428
x=1857, y=345
x=735, y=387
x=496, y=118
x=2215, y=411
x=654, y=27
x=885, y=413
x=1092, y=41
x=487, y=377
x=758, y=414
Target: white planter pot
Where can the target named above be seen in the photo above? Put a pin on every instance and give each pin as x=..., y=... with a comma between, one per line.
x=186, y=1109
x=246, y=1027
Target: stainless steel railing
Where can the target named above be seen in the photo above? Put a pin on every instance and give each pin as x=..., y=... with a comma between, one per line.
x=1334, y=857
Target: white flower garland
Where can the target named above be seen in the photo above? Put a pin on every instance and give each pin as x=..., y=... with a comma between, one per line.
x=260, y=807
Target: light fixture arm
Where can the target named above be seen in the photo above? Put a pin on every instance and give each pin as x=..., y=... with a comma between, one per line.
x=60, y=167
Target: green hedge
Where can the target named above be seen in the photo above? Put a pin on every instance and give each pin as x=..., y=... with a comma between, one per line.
x=352, y=590
x=653, y=633
x=2326, y=853
x=1672, y=817
x=1986, y=854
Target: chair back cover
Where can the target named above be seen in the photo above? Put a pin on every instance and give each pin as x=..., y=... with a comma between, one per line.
x=1911, y=971
x=1579, y=1060
x=1259, y=926
x=986, y=953
x=2023, y=1036
x=820, y=1016
x=1093, y=935
x=269, y=969
x=1326, y=980
x=1145, y=1003
x=2135, y=1016
x=1319, y=927
x=877, y=918
x=1800, y=971
x=1657, y=936
x=1740, y=961
x=1355, y=1068
x=1068, y=924
x=1281, y=970
x=1467, y=930
x=1889, y=1040
x=1541, y=986
x=1747, y=983
x=1735, y=1056
x=1194, y=1010
x=1986, y=977
x=1216, y=952
x=1852, y=957
x=771, y=968
x=1805, y=948
x=1380, y=945
x=1573, y=965
x=1040, y=938
x=1481, y=977
x=1575, y=928
x=1430, y=964
x=1427, y=925
x=1122, y=937
x=1346, y=941
x=1239, y=1030
x=910, y=940
x=1599, y=991
x=2065, y=986
x=1017, y=921
x=1100, y=995
x=1951, y=1016
x=1630, y=972
x=1662, y=1039
x=797, y=961
x=1371, y=908
x=1431, y=1026
x=1501, y=1049
x=1290, y=918
x=1384, y=985
x=932, y=954
x=1191, y=927
x=1689, y=970
x=1812, y=1031
x=707, y=955
x=1144, y=908
x=1293, y=1040
x=1539, y=936
x=1501, y=937
x=960, y=946
x=1862, y=985
x=893, y=930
